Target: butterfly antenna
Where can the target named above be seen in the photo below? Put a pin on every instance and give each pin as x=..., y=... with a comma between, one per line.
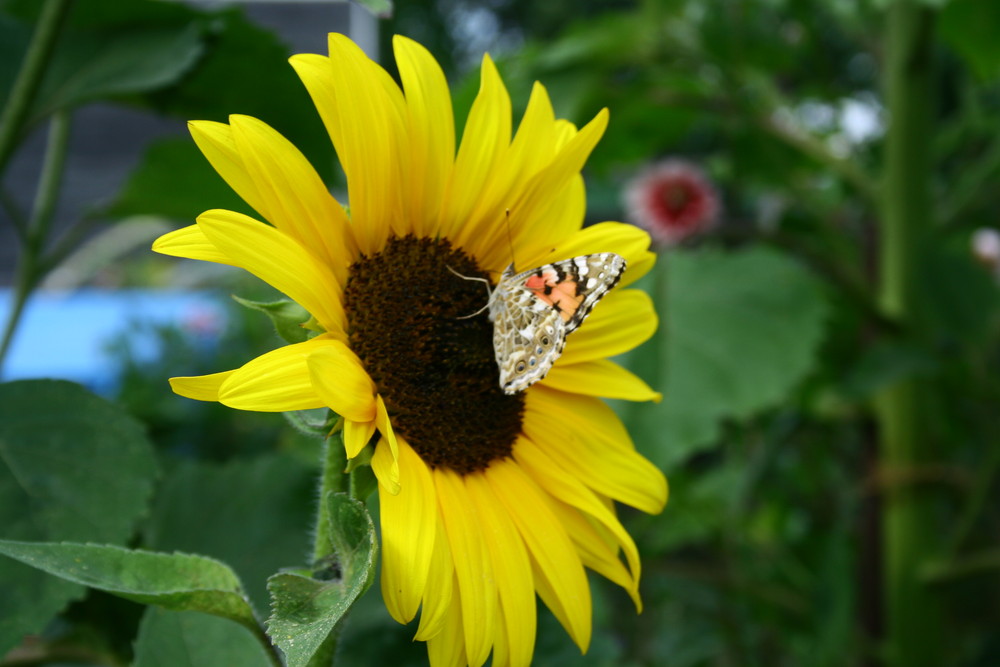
x=510, y=241
x=489, y=293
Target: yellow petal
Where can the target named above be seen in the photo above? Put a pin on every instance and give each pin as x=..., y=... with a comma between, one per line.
x=596, y=552
x=600, y=377
x=385, y=465
x=298, y=201
x=501, y=643
x=384, y=426
x=369, y=143
x=447, y=648
x=628, y=241
x=190, y=242
x=215, y=141
x=277, y=381
x=535, y=199
x=624, y=319
x=534, y=143
x=439, y=591
x=586, y=438
x=484, y=141
x=512, y=568
x=549, y=475
x=342, y=383
x=531, y=150
x=477, y=589
x=561, y=217
x=557, y=564
x=280, y=261
x=409, y=520
x=314, y=71
x=431, y=131
x=357, y=435
x=200, y=387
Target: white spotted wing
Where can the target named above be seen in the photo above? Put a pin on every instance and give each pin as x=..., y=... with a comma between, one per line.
x=533, y=312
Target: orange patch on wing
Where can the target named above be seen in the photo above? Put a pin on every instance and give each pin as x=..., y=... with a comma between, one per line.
x=561, y=295
x=536, y=282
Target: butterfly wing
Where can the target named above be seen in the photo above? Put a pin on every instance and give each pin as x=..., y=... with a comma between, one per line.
x=534, y=311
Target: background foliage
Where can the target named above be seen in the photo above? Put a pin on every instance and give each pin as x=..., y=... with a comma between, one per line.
x=776, y=352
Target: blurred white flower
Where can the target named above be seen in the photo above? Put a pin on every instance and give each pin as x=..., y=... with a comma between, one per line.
x=986, y=247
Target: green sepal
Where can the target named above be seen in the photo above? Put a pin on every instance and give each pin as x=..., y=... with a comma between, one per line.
x=363, y=459
x=363, y=481
x=312, y=324
x=288, y=317
x=305, y=610
x=301, y=422
x=176, y=581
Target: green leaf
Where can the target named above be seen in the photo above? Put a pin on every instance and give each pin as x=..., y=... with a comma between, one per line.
x=180, y=582
x=970, y=28
x=98, y=64
x=287, y=316
x=271, y=91
x=190, y=639
x=305, y=611
x=258, y=518
x=741, y=330
x=174, y=180
x=72, y=467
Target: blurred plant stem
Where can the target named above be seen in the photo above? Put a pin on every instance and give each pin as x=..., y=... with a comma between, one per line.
x=32, y=264
x=912, y=623
x=22, y=92
x=33, y=235
x=814, y=147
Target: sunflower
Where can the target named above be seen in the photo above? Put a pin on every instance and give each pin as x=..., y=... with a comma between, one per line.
x=485, y=498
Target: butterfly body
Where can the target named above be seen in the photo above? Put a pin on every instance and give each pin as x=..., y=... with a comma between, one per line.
x=533, y=312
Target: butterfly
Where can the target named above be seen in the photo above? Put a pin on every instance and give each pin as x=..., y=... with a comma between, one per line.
x=533, y=312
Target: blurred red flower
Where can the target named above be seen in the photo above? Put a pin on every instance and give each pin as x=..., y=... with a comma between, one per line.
x=671, y=199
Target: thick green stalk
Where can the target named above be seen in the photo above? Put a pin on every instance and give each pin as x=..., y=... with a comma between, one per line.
x=912, y=625
x=332, y=480
x=22, y=93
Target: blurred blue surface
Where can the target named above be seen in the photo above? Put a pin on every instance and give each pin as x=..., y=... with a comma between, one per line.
x=69, y=335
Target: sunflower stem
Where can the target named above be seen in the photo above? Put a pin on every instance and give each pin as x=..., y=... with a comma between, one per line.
x=912, y=625
x=332, y=480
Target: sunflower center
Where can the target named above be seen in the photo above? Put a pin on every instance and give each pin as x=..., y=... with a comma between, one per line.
x=409, y=321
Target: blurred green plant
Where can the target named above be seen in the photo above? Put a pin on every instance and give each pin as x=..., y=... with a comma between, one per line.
x=828, y=355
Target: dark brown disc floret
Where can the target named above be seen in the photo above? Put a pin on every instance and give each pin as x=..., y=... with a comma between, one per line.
x=409, y=321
